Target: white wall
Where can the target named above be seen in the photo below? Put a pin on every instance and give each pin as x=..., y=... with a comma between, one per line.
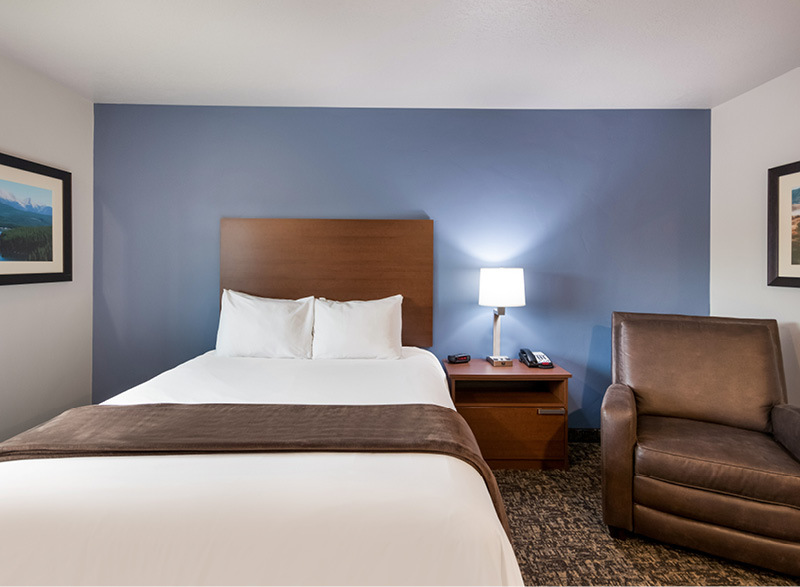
x=46, y=329
x=749, y=134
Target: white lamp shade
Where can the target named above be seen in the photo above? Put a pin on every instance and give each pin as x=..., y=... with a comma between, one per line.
x=502, y=287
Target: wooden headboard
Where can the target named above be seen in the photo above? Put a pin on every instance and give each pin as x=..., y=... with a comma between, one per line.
x=335, y=259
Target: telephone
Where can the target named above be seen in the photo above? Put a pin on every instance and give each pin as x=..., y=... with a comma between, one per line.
x=535, y=359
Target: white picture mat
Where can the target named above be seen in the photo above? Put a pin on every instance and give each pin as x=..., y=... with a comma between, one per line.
x=55, y=186
x=786, y=183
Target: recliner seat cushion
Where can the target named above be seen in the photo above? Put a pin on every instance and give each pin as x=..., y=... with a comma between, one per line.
x=717, y=458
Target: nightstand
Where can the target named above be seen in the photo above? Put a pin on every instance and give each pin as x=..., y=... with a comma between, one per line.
x=518, y=414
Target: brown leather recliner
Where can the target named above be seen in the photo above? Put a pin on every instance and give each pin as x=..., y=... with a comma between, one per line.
x=699, y=447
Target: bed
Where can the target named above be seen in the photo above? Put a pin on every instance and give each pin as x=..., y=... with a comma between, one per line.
x=287, y=518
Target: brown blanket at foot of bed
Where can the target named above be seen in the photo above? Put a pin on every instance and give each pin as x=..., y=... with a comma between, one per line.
x=157, y=429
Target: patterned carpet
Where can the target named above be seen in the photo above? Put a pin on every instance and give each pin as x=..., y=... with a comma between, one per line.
x=560, y=539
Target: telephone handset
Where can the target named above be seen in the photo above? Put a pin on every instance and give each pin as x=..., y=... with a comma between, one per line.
x=535, y=359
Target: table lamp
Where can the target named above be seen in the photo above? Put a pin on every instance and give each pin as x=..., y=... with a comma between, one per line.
x=501, y=287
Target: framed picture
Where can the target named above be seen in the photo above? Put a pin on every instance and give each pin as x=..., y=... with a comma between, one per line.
x=783, y=225
x=35, y=222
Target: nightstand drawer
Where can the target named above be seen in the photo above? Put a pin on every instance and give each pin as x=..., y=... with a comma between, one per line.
x=517, y=433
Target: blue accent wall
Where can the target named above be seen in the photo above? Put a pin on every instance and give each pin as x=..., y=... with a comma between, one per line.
x=605, y=209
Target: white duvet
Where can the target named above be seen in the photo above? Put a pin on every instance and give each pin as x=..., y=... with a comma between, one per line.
x=288, y=519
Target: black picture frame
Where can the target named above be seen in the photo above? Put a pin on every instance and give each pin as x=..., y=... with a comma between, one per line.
x=19, y=179
x=783, y=249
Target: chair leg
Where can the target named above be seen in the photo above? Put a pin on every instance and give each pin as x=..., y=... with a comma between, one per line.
x=618, y=533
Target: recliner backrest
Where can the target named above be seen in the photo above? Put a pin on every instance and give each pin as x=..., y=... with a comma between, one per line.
x=722, y=370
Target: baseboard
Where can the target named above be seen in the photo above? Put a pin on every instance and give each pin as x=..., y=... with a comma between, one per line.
x=583, y=435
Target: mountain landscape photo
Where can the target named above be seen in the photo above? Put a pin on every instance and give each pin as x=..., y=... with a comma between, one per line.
x=796, y=226
x=26, y=226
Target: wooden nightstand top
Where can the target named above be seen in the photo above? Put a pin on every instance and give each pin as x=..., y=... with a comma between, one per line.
x=480, y=369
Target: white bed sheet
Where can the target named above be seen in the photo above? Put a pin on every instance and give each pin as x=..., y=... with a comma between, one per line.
x=289, y=519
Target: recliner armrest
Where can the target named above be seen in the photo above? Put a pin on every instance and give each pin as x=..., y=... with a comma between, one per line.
x=617, y=440
x=786, y=427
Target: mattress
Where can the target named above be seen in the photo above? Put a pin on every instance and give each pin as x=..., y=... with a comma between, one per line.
x=289, y=519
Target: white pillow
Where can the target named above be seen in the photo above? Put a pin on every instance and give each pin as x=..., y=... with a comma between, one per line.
x=358, y=330
x=250, y=326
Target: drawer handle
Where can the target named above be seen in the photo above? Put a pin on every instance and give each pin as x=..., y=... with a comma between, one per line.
x=551, y=411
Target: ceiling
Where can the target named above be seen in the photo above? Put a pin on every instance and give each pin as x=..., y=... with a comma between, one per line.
x=406, y=53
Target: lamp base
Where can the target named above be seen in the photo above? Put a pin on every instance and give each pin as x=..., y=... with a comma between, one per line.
x=500, y=360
